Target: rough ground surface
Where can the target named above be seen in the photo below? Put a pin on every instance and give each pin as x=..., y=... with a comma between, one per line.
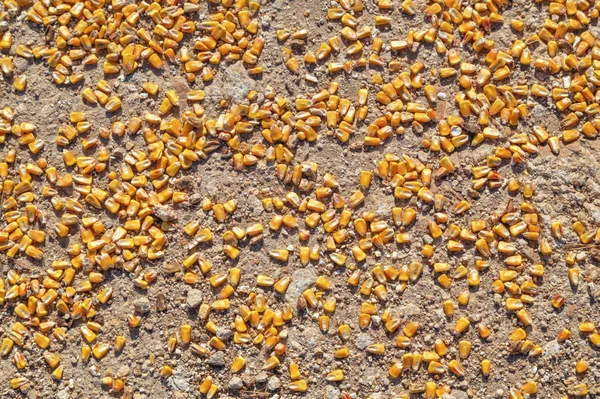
x=567, y=189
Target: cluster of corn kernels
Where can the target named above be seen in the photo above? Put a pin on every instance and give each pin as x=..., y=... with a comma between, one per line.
x=142, y=191
x=127, y=34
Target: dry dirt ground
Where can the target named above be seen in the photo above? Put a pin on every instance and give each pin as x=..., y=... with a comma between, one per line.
x=566, y=189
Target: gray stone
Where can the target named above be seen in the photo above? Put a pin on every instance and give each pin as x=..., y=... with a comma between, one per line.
x=20, y=65
x=180, y=381
x=456, y=394
x=273, y=384
x=165, y=213
x=235, y=384
x=123, y=371
x=332, y=392
x=363, y=340
x=217, y=360
x=194, y=298
x=301, y=280
x=551, y=348
x=224, y=333
x=261, y=377
x=142, y=305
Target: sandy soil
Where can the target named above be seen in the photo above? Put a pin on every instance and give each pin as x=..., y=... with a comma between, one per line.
x=566, y=189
